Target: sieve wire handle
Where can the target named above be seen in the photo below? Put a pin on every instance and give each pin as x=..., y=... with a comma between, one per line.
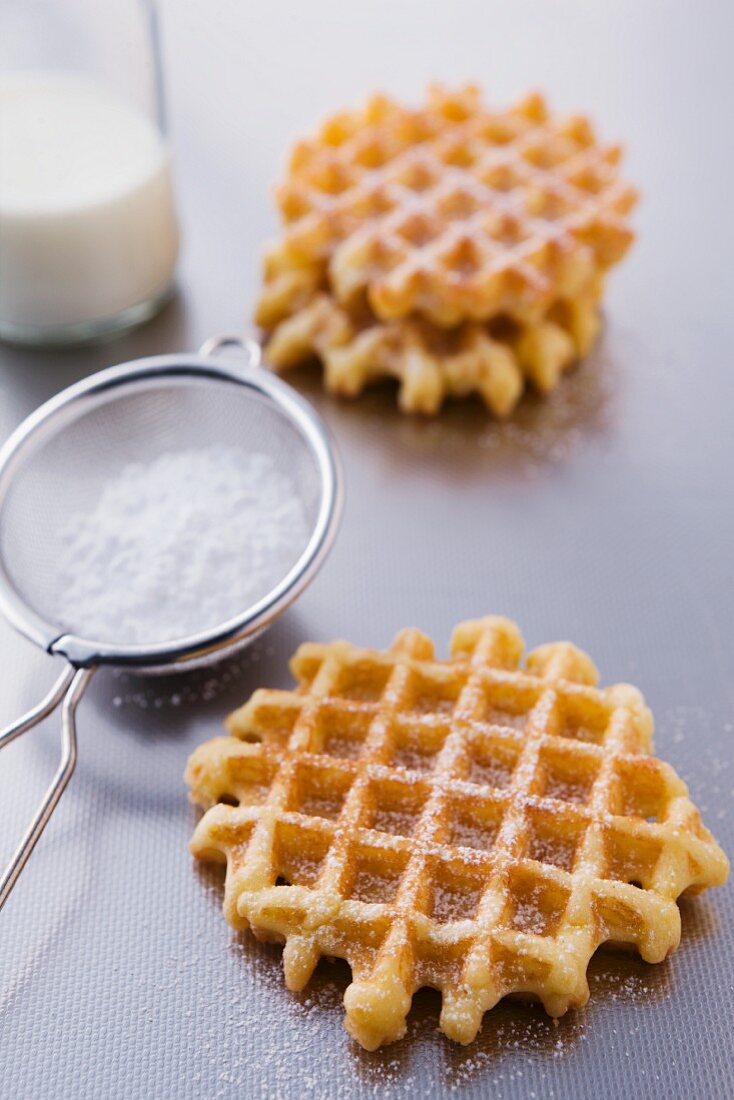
x=69, y=687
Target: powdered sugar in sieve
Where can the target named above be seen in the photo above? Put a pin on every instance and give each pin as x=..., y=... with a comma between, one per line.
x=172, y=546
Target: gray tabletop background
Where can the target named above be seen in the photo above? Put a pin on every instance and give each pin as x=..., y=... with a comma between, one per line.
x=604, y=515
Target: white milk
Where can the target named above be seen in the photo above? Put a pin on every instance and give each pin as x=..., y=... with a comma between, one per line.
x=87, y=222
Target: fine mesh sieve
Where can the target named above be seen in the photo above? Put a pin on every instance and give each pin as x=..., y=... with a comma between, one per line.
x=57, y=464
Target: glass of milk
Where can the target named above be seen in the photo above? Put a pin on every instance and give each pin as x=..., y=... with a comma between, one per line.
x=88, y=231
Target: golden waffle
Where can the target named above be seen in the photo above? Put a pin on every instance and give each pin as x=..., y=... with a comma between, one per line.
x=494, y=359
x=452, y=211
x=470, y=825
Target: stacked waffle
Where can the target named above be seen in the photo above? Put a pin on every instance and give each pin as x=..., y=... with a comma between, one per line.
x=454, y=248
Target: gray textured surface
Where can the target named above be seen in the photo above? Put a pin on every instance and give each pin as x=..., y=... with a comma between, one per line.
x=605, y=515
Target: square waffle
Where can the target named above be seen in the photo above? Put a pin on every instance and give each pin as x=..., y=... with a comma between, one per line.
x=452, y=212
x=473, y=825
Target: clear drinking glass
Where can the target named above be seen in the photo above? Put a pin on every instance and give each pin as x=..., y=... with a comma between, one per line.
x=88, y=230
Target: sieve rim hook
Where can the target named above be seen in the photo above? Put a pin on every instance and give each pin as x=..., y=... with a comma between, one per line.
x=214, y=344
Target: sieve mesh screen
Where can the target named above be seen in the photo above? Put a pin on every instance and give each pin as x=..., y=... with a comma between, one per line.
x=64, y=470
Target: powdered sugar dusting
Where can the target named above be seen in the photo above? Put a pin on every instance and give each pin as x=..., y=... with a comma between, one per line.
x=283, y=1044
x=179, y=545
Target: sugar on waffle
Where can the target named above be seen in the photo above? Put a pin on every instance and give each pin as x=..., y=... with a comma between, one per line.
x=475, y=825
x=452, y=211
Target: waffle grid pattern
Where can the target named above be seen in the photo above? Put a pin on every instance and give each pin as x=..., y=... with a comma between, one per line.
x=452, y=211
x=453, y=248
x=470, y=825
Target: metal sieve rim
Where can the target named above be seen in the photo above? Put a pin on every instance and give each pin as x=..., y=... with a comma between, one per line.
x=48, y=420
